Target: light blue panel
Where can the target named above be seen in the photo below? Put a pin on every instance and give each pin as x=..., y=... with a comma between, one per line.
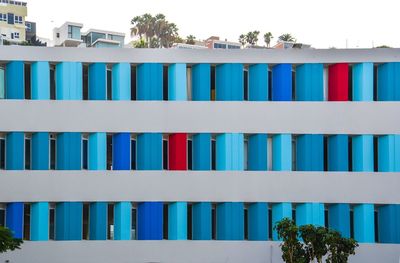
x=177, y=82
x=201, y=82
x=15, y=142
x=339, y=218
x=309, y=82
x=258, y=82
x=338, y=153
x=201, y=221
x=149, y=81
x=68, y=222
x=310, y=213
x=69, y=81
x=121, y=81
x=389, y=81
x=389, y=153
x=40, y=157
x=279, y=212
x=258, y=221
x=98, y=221
x=2, y=83
x=177, y=221
x=363, y=153
x=97, y=151
x=389, y=224
x=15, y=84
x=282, y=152
x=310, y=152
x=15, y=218
x=40, y=80
x=363, y=82
x=40, y=221
x=230, y=151
x=229, y=84
x=97, y=81
x=257, y=152
x=201, y=151
x=230, y=221
x=122, y=220
x=364, y=223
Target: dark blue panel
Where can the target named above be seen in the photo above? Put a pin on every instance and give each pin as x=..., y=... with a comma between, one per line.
x=69, y=221
x=389, y=224
x=258, y=221
x=282, y=82
x=98, y=221
x=310, y=152
x=69, y=152
x=150, y=221
x=339, y=218
x=201, y=149
x=201, y=221
x=15, y=219
x=201, y=82
x=121, y=151
x=40, y=151
x=15, y=85
x=15, y=151
x=230, y=221
x=258, y=82
x=97, y=81
x=229, y=82
x=149, y=81
x=257, y=152
x=149, y=151
x=338, y=153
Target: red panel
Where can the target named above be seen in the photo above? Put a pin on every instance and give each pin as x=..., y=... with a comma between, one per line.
x=177, y=151
x=338, y=86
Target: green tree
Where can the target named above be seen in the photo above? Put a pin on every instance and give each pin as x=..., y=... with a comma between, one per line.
x=314, y=239
x=242, y=40
x=267, y=38
x=7, y=241
x=383, y=46
x=340, y=248
x=287, y=37
x=190, y=39
x=141, y=43
x=252, y=37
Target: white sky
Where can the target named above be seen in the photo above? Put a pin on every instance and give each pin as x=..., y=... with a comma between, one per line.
x=322, y=23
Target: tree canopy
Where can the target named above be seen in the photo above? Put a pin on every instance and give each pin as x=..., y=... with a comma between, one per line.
x=7, y=241
x=287, y=37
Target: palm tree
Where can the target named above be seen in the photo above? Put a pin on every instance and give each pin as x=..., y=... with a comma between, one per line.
x=252, y=37
x=287, y=38
x=190, y=39
x=267, y=38
x=242, y=40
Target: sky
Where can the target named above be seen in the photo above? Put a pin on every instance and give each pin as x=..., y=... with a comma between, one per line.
x=321, y=23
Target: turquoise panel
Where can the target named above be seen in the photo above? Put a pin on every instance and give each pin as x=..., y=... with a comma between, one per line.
x=363, y=82
x=69, y=221
x=121, y=81
x=177, y=221
x=310, y=213
x=258, y=221
x=98, y=221
x=97, y=81
x=69, y=81
x=389, y=224
x=201, y=151
x=257, y=153
x=258, y=82
x=40, y=80
x=177, y=82
x=230, y=221
x=338, y=153
x=282, y=152
x=40, y=151
x=230, y=151
x=339, y=218
x=2, y=83
x=364, y=223
x=15, y=151
x=149, y=81
x=201, y=221
x=201, y=82
x=122, y=220
x=309, y=82
x=40, y=221
x=229, y=82
x=389, y=153
x=389, y=81
x=279, y=212
x=69, y=151
x=149, y=151
x=310, y=152
x=363, y=153
x=15, y=84
x=97, y=151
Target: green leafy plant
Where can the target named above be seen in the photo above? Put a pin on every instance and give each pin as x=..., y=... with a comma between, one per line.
x=314, y=239
x=340, y=248
x=7, y=241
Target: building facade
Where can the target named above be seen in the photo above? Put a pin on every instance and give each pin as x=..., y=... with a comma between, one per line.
x=215, y=43
x=146, y=156
x=12, y=20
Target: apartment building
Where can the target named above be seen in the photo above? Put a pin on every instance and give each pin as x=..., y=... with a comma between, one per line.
x=214, y=42
x=12, y=20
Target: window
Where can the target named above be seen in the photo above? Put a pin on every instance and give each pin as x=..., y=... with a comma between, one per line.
x=74, y=32
x=28, y=26
x=218, y=45
x=3, y=17
x=85, y=154
x=15, y=35
x=233, y=47
x=2, y=153
x=18, y=19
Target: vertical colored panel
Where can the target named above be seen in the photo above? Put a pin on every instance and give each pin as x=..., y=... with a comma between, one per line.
x=40, y=151
x=229, y=150
x=98, y=81
x=363, y=153
x=201, y=151
x=201, y=82
x=149, y=151
x=15, y=151
x=364, y=223
x=177, y=82
x=338, y=82
x=69, y=221
x=258, y=82
x=257, y=152
x=389, y=153
x=121, y=151
x=388, y=224
x=309, y=82
x=122, y=220
x=69, y=81
x=310, y=213
x=98, y=221
x=310, y=152
x=97, y=151
x=338, y=153
x=121, y=81
x=282, y=82
x=39, y=221
x=15, y=84
x=177, y=149
x=258, y=221
x=279, y=212
x=389, y=81
x=201, y=224
x=282, y=152
x=149, y=81
x=229, y=82
x=230, y=221
x=15, y=218
x=177, y=221
x=339, y=218
x=150, y=221
x=40, y=80
x=363, y=82
x=69, y=151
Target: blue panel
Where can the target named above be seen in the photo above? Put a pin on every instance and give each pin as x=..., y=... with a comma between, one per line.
x=230, y=221
x=282, y=82
x=229, y=151
x=150, y=221
x=69, y=81
x=257, y=152
x=69, y=151
x=389, y=153
x=98, y=151
x=229, y=82
x=69, y=221
x=339, y=218
x=282, y=152
x=40, y=151
x=98, y=221
x=40, y=80
x=363, y=153
x=258, y=221
x=338, y=153
x=98, y=81
x=363, y=82
x=310, y=213
x=201, y=82
x=279, y=212
x=389, y=81
x=364, y=223
x=258, y=82
x=40, y=221
x=15, y=85
x=177, y=221
x=121, y=81
x=121, y=151
x=389, y=224
x=149, y=81
x=201, y=221
x=309, y=82
x=201, y=151
x=15, y=151
x=149, y=151
x=15, y=218
x=310, y=152
x=177, y=82
x=122, y=221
